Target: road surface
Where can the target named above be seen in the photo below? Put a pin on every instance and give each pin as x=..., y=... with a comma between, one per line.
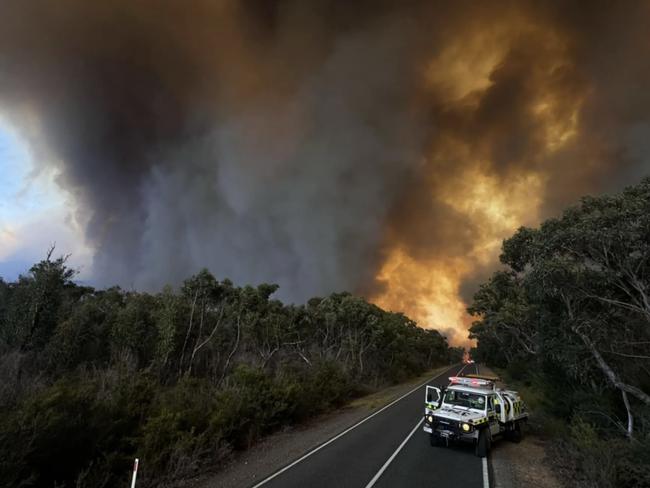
x=387, y=449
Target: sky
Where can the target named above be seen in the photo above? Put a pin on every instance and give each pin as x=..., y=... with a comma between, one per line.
x=378, y=147
x=34, y=214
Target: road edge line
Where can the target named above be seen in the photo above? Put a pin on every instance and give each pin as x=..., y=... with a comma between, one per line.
x=341, y=434
x=393, y=456
x=486, y=475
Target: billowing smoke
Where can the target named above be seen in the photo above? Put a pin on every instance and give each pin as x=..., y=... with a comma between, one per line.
x=381, y=147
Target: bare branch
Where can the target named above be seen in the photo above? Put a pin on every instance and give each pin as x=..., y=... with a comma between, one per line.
x=628, y=355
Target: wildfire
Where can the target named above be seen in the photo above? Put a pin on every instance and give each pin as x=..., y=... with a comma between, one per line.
x=429, y=290
x=492, y=203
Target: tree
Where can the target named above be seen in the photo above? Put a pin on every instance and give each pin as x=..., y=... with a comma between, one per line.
x=100, y=376
x=505, y=323
x=577, y=293
x=35, y=301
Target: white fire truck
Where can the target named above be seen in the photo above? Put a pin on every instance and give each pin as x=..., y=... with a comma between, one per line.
x=473, y=409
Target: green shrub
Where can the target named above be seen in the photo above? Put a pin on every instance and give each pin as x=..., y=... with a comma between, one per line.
x=66, y=431
x=93, y=378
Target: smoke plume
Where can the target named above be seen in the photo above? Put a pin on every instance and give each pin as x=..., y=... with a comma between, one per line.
x=385, y=148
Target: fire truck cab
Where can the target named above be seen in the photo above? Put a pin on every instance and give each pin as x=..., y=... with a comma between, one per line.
x=473, y=409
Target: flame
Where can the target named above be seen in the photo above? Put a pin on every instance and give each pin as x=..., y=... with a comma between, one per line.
x=492, y=208
x=428, y=289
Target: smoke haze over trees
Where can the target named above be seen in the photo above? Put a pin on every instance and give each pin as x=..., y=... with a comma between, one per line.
x=381, y=147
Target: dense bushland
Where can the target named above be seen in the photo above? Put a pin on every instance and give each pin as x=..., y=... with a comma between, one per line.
x=90, y=379
x=569, y=319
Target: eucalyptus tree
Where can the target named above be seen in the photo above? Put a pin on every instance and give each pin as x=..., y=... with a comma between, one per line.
x=577, y=292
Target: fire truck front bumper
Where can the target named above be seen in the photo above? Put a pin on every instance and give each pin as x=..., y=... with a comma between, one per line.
x=448, y=429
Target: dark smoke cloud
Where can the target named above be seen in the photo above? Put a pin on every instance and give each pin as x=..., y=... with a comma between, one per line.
x=260, y=142
x=298, y=142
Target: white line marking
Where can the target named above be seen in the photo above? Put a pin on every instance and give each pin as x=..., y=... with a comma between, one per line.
x=390, y=459
x=316, y=449
x=459, y=372
x=486, y=477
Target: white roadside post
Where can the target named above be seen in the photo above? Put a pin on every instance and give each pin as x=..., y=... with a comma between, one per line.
x=135, y=472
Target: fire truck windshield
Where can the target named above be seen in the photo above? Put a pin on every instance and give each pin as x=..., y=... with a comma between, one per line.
x=465, y=399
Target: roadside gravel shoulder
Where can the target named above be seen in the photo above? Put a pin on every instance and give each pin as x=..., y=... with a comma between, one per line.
x=525, y=464
x=277, y=450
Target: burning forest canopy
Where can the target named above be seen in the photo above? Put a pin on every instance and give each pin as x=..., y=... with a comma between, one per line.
x=385, y=148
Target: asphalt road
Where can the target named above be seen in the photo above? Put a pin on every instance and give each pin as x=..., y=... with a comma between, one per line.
x=386, y=449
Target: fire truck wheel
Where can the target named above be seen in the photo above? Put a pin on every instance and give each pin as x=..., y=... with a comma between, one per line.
x=517, y=434
x=483, y=444
x=509, y=433
x=433, y=440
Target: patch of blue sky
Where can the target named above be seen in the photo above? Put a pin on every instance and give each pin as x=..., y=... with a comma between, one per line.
x=33, y=211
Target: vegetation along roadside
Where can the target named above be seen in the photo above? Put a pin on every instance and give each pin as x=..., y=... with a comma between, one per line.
x=90, y=379
x=568, y=322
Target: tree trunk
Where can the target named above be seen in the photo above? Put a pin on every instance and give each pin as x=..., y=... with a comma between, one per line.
x=233, y=351
x=610, y=373
x=187, y=334
x=630, y=418
x=208, y=339
x=198, y=338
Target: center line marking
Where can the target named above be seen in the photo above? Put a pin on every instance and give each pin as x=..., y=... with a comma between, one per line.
x=390, y=459
x=316, y=449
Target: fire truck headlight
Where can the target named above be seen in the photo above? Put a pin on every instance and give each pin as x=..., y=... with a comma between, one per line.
x=466, y=427
x=430, y=419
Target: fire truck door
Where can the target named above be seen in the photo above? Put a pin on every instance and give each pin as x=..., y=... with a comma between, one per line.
x=493, y=418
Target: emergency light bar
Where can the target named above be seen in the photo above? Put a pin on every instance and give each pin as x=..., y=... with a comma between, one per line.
x=475, y=382
x=483, y=377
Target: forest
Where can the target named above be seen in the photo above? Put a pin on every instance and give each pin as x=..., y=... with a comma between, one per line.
x=181, y=379
x=568, y=319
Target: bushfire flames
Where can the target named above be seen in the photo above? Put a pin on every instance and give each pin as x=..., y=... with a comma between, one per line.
x=429, y=288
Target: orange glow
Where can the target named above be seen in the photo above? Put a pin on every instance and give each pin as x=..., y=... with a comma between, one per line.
x=429, y=290
x=465, y=66
x=492, y=204
x=493, y=208
x=425, y=291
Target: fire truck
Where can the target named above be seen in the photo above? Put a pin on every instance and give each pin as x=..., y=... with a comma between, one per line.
x=472, y=409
